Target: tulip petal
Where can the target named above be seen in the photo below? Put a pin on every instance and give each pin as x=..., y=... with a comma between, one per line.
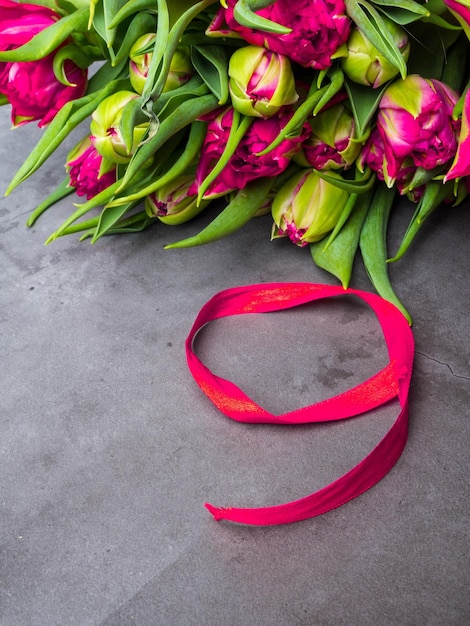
x=461, y=164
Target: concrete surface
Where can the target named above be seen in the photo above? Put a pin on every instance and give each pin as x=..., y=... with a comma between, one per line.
x=108, y=449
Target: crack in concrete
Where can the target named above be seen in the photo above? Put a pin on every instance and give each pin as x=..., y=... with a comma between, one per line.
x=443, y=363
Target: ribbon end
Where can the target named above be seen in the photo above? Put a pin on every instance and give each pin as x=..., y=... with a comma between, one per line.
x=216, y=512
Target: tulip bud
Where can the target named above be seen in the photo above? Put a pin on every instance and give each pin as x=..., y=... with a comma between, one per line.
x=331, y=144
x=415, y=120
x=89, y=172
x=307, y=208
x=180, y=69
x=261, y=81
x=365, y=65
x=105, y=132
x=139, y=61
x=140, y=57
x=172, y=203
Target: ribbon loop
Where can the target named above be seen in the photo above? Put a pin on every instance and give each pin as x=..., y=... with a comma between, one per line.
x=390, y=382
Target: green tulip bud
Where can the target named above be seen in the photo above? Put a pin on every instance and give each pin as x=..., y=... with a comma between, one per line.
x=261, y=81
x=140, y=57
x=105, y=132
x=365, y=65
x=307, y=208
x=174, y=203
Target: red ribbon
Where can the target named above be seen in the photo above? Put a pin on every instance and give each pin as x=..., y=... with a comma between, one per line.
x=390, y=382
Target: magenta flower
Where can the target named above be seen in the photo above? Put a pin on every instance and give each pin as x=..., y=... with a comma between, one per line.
x=460, y=167
x=245, y=165
x=35, y=93
x=20, y=22
x=32, y=87
x=461, y=10
x=318, y=29
x=373, y=156
x=415, y=122
x=89, y=172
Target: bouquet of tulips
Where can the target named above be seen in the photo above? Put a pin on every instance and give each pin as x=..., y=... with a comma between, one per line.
x=320, y=112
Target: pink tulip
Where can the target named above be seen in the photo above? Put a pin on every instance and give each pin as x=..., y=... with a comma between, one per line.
x=461, y=10
x=460, y=167
x=20, y=22
x=318, y=28
x=35, y=93
x=373, y=156
x=245, y=165
x=32, y=87
x=415, y=122
x=89, y=172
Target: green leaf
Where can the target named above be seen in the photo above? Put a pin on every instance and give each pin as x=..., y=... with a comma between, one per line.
x=179, y=166
x=373, y=245
x=360, y=184
x=337, y=256
x=166, y=45
x=190, y=110
x=48, y=39
x=240, y=125
x=133, y=7
x=374, y=27
x=402, y=11
x=315, y=101
x=68, y=117
x=235, y=215
x=211, y=63
x=434, y=194
x=244, y=14
x=62, y=191
x=141, y=24
x=364, y=103
x=109, y=217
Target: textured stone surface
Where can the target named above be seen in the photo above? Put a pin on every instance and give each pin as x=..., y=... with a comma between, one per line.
x=108, y=449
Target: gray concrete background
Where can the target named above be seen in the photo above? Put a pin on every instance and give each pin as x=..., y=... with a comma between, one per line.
x=108, y=449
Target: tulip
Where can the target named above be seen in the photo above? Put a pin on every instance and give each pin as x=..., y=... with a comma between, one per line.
x=32, y=88
x=364, y=64
x=373, y=156
x=245, y=164
x=261, y=81
x=20, y=22
x=140, y=59
x=173, y=203
x=307, y=208
x=415, y=121
x=331, y=144
x=460, y=167
x=35, y=93
x=460, y=9
x=105, y=132
x=89, y=172
x=317, y=29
